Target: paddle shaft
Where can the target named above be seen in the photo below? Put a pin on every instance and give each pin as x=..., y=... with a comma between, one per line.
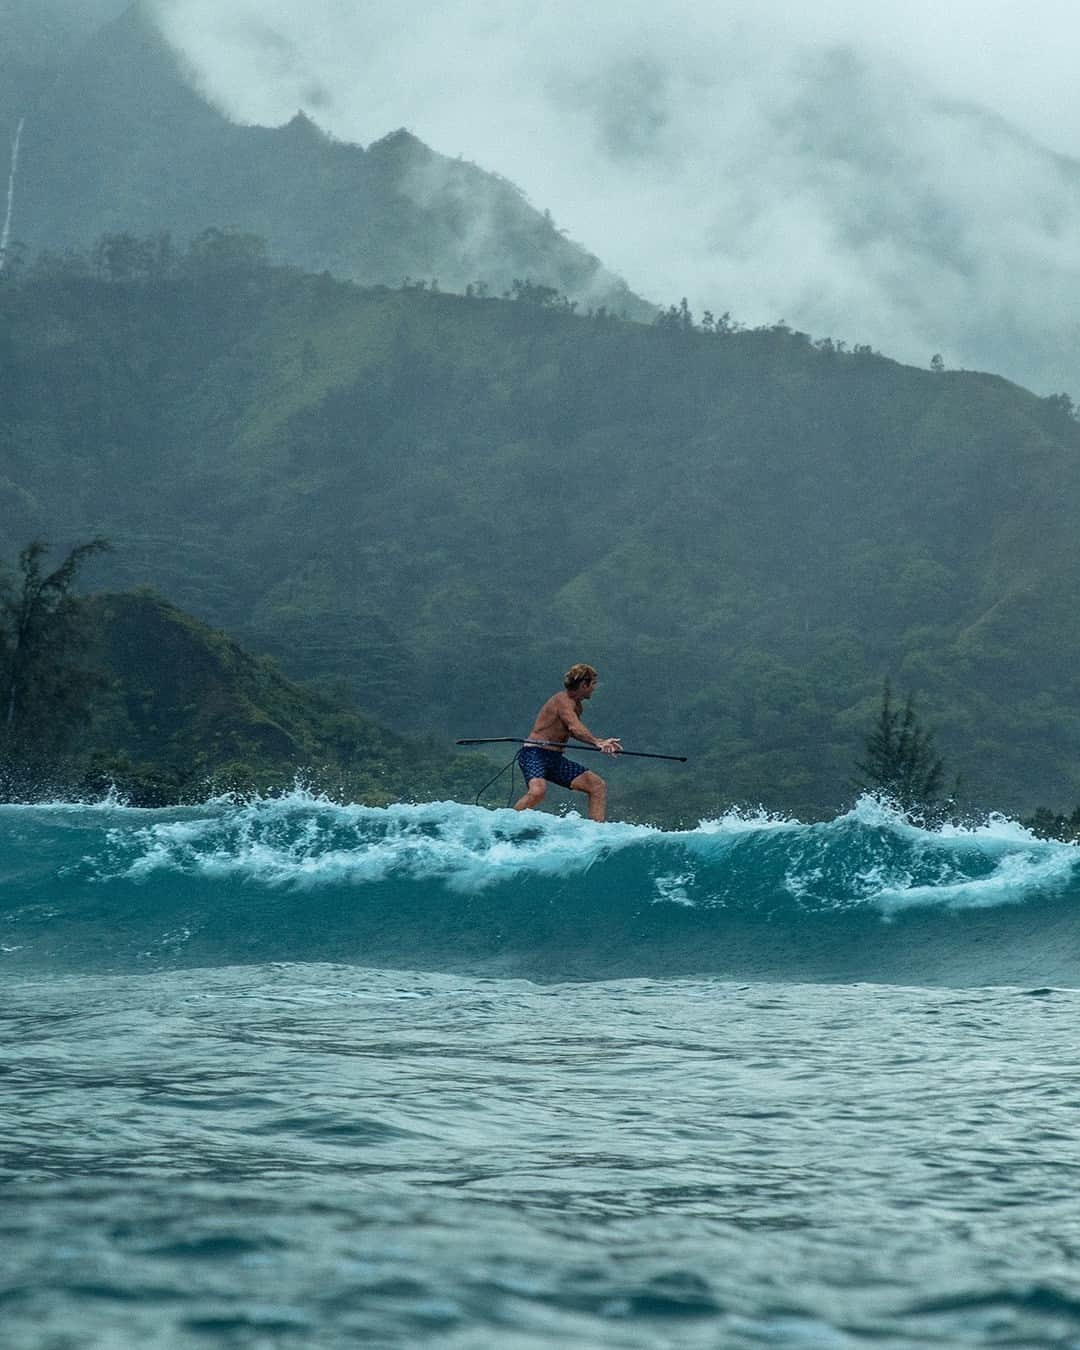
x=558, y=745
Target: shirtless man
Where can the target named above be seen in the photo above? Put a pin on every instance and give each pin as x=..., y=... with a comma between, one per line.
x=557, y=721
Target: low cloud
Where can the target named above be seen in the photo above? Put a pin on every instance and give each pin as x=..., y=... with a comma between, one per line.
x=897, y=179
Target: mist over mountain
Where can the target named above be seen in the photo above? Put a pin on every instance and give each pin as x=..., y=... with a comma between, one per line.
x=903, y=176
x=120, y=140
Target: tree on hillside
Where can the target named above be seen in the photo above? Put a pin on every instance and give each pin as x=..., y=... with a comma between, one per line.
x=229, y=250
x=901, y=762
x=533, y=293
x=122, y=257
x=678, y=318
x=44, y=688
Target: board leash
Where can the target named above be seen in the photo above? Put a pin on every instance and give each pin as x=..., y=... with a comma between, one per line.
x=510, y=766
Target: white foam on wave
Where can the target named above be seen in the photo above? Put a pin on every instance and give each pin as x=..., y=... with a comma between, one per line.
x=304, y=840
x=932, y=870
x=110, y=800
x=740, y=820
x=1014, y=878
x=879, y=813
x=300, y=839
x=876, y=813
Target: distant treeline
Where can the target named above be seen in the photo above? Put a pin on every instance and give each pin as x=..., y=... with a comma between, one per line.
x=127, y=257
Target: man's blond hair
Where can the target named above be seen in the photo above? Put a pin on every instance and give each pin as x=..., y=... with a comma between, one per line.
x=578, y=675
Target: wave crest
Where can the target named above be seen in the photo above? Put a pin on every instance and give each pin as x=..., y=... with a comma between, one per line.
x=866, y=895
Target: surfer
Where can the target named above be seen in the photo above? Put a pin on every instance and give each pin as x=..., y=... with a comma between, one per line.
x=557, y=721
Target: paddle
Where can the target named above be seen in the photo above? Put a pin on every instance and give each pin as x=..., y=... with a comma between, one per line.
x=558, y=745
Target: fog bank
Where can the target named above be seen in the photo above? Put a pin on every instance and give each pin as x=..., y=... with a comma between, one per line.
x=900, y=178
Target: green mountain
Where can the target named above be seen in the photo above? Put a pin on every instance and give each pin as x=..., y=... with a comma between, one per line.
x=120, y=141
x=184, y=711
x=446, y=501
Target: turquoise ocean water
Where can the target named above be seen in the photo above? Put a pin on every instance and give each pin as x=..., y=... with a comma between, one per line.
x=291, y=1074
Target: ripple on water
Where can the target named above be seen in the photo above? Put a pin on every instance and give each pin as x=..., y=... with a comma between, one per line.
x=293, y=1156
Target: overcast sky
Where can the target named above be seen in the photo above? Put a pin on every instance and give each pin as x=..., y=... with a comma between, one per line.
x=889, y=173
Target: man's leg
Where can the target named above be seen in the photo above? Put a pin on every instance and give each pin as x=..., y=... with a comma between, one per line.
x=534, y=795
x=596, y=789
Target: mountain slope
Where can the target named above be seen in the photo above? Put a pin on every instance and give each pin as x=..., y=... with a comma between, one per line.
x=446, y=501
x=185, y=710
x=121, y=141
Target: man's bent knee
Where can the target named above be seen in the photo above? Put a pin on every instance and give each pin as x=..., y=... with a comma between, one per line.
x=592, y=784
x=534, y=795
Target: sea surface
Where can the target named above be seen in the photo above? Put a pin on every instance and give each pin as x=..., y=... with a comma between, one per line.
x=284, y=1073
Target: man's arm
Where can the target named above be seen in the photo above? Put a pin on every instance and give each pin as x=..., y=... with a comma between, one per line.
x=611, y=745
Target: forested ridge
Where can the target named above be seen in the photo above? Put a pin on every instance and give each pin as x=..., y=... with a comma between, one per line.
x=184, y=711
x=117, y=137
x=445, y=500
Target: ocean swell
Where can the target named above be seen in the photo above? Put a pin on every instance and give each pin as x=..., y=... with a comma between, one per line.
x=865, y=896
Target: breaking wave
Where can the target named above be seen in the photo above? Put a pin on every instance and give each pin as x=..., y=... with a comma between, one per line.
x=866, y=896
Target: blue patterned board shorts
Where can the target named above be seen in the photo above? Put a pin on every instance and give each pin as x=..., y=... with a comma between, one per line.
x=550, y=764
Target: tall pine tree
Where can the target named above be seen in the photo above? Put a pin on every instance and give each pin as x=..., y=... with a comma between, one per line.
x=901, y=762
x=45, y=685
